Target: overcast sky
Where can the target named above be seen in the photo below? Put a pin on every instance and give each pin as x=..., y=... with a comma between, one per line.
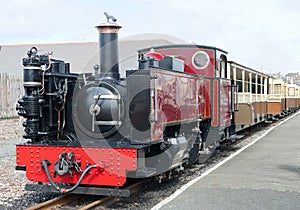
x=262, y=34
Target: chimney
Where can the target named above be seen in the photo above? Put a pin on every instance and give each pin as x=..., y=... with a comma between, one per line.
x=108, y=49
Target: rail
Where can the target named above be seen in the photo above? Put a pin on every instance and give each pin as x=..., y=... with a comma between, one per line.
x=56, y=202
x=63, y=201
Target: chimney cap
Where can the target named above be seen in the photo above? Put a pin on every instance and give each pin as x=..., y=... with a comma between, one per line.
x=108, y=27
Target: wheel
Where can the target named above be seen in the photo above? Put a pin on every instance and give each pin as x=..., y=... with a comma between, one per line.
x=194, y=154
x=206, y=152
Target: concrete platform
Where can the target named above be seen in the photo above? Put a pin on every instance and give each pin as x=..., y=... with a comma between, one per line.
x=266, y=175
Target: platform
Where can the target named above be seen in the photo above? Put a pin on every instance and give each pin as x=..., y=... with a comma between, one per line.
x=266, y=175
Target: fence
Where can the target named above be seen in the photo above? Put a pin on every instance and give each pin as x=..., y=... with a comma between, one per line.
x=10, y=91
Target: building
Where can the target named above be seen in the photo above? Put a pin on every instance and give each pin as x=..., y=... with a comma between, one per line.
x=293, y=78
x=81, y=56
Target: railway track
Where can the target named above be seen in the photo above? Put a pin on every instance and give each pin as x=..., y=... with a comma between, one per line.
x=89, y=202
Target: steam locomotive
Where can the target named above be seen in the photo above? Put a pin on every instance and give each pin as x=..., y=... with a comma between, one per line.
x=90, y=133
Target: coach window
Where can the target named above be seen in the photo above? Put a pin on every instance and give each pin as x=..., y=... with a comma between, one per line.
x=253, y=83
x=291, y=92
x=218, y=68
x=247, y=82
x=258, y=85
x=223, y=66
x=262, y=85
x=270, y=88
x=277, y=89
x=239, y=80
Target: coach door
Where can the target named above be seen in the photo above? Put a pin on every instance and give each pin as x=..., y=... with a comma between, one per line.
x=225, y=94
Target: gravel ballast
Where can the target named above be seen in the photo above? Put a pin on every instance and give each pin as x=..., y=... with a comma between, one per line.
x=12, y=182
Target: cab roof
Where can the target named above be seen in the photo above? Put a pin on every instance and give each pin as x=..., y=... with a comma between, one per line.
x=182, y=46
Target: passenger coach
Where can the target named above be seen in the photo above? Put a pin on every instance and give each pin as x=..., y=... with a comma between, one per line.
x=252, y=95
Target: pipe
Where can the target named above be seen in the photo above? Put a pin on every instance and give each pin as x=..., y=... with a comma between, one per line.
x=65, y=190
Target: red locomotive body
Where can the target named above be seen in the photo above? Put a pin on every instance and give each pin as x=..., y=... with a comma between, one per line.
x=112, y=164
